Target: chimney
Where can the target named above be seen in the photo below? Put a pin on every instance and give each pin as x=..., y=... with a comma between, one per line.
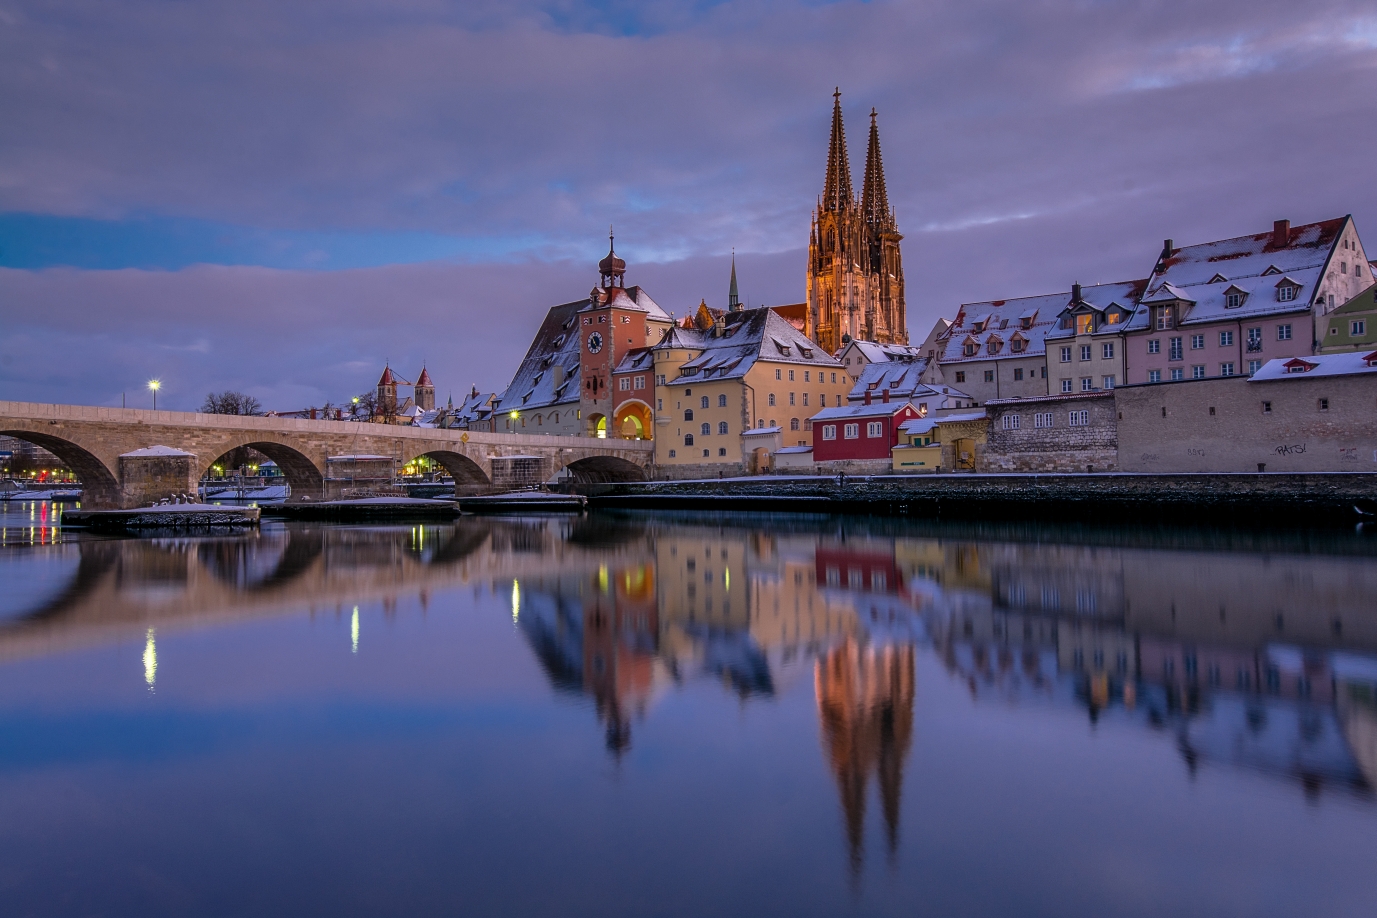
x=1075, y=293
x=885, y=396
x=1281, y=234
x=867, y=396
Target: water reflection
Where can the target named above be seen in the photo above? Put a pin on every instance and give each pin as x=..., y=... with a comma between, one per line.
x=1261, y=661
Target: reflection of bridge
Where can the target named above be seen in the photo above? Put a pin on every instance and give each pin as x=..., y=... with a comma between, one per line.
x=92, y=440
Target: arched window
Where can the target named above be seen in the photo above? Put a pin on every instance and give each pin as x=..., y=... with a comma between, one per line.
x=721, y=401
x=540, y=422
x=703, y=402
x=688, y=414
x=772, y=399
x=688, y=439
x=793, y=423
x=706, y=430
x=555, y=419
x=722, y=428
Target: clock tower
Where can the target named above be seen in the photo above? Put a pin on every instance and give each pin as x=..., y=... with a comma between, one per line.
x=612, y=323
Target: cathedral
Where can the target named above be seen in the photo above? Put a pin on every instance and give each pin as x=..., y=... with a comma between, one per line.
x=855, y=274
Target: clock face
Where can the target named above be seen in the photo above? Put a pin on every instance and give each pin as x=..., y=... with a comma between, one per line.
x=594, y=343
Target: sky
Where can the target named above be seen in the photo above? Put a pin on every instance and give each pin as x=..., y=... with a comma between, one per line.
x=278, y=197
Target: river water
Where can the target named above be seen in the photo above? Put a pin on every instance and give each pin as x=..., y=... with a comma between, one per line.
x=679, y=715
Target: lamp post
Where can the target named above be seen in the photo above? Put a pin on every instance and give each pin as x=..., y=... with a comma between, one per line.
x=154, y=385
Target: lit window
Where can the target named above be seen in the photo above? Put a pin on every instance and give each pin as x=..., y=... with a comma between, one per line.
x=1163, y=318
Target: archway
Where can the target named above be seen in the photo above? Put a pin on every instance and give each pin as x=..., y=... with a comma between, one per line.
x=634, y=421
x=100, y=486
x=301, y=473
x=600, y=469
x=597, y=426
x=469, y=477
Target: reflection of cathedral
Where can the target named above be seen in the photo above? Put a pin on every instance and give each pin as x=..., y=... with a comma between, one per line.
x=865, y=705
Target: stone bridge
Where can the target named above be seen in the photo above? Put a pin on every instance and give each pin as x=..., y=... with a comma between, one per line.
x=96, y=444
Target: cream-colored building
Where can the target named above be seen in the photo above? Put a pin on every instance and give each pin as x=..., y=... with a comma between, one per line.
x=750, y=369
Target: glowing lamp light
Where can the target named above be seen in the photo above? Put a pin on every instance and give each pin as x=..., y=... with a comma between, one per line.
x=515, y=414
x=153, y=386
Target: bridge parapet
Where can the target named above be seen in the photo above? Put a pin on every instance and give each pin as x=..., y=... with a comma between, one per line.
x=91, y=441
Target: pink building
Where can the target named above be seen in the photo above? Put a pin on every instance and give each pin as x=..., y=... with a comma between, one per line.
x=1225, y=308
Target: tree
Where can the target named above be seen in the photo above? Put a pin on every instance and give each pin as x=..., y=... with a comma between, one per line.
x=228, y=402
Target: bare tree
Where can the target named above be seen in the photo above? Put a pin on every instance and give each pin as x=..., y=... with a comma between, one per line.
x=229, y=402
x=367, y=405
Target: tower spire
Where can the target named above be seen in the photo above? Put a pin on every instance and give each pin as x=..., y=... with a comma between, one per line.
x=733, y=299
x=874, y=196
x=836, y=189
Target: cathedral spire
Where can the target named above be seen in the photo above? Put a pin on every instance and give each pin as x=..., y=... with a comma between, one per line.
x=874, y=197
x=836, y=190
x=733, y=300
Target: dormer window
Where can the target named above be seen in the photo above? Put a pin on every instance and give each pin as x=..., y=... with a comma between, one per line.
x=1271, y=269
x=1164, y=318
x=1233, y=297
x=1218, y=279
x=970, y=349
x=1286, y=292
x=1085, y=324
x=1299, y=366
x=1016, y=345
x=1371, y=359
x=993, y=346
x=1026, y=322
x=1113, y=317
x=1067, y=321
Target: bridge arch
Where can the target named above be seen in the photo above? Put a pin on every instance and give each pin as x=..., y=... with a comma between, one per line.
x=469, y=477
x=100, y=484
x=600, y=469
x=303, y=476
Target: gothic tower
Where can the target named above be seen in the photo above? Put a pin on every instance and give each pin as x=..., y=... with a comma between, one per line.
x=855, y=278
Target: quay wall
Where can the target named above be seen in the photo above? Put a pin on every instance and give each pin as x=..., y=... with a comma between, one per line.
x=1235, y=499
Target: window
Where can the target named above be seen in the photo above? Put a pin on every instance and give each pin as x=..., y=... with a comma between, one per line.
x=688, y=439
x=834, y=377
x=1324, y=404
x=1343, y=267
x=1254, y=338
x=1233, y=300
x=703, y=402
x=791, y=376
x=1174, y=352
x=639, y=383
x=1197, y=342
x=805, y=399
x=1044, y=372
x=1087, y=384
x=989, y=376
x=1177, y=374
x=688, y=391
x=1154, y=375
x=1198, y=371
x=851, y=431
x=822, y=400
x=1066, y=355
x=1107, y=351
x=688, y=414
x=624, y=384
x=722, y=428
x=829, y=431
x=875, y=429
x=1011, y=421
x=1163, y=318
x=1226, y=369
x=1018, y=374
x=1109, y=382
x=1283, y=332
x=1066, y=385
x=793, y=423
x=1042, y=419
x=660, y=380
x=791, y=398
x=1078, y=418
x=1085, y=324
x=1266, y=407
x=722, y=451
x=721, y=401
x=705, y=430
x=1016, y=345
x=1357, y=327
x=1286, y=293
x=1226, y=339
x=1085, y=352
x=673, y=453
x=970, y=349
x=705, y=453
x=960, y=376
x=1254, y=366
x=772, y=399
x=807, y=376
x=1154, y=346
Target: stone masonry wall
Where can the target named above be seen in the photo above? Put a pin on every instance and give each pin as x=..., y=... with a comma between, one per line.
x=1058, y=448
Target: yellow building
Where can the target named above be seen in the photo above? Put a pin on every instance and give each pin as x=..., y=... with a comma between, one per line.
x=750, y=369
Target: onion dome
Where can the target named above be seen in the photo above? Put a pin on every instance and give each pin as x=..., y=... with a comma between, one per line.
x=612, y=269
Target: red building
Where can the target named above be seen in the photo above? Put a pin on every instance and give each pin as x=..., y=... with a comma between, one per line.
x=860, y=432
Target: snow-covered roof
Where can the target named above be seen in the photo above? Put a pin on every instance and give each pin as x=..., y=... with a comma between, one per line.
x=631, y=298
x=1000, y=319
x=556, y=345
x=918, y=425
x=761, y=431
x=962, y=416
x=874, y=352
x=151, y=451
x=1353, y=364
x=794, y=449
x=1056, y=397
x=1202, y=275
x=749, y=335
x=901, y=379
x=876, y=409
x=635, y=360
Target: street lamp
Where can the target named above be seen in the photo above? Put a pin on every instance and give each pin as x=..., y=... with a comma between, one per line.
x=154, y=385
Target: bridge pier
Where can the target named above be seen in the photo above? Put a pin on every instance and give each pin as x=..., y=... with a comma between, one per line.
x=156, y=472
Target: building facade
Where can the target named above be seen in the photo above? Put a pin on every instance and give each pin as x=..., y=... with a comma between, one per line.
x=855, y=272
x=1352, y=326
x=1085, y=349
x=996, y=349
x=1054, y=433
x=859, y=436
